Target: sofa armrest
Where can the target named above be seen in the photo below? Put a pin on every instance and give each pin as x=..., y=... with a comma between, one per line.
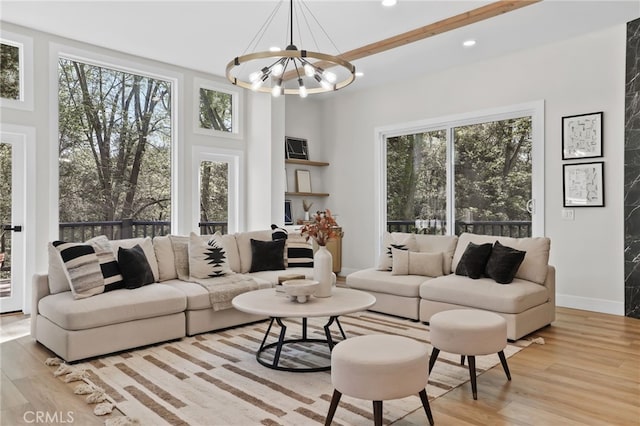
x=40, y=289
x=550, y=283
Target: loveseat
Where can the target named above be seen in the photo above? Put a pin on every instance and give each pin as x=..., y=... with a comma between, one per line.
x=78, y=323
x=432, y=283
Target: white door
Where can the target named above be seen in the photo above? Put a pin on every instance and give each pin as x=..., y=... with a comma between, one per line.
x=12, y=221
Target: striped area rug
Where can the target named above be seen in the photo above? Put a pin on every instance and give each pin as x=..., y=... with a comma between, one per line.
x=214, y=378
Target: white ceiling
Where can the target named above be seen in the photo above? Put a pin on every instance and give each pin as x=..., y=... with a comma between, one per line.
x=205, y=35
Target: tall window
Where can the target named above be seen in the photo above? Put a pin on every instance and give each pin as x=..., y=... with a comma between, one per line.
x=10, y=71
x=114, y=152
x=214, y=197
x=484, y=188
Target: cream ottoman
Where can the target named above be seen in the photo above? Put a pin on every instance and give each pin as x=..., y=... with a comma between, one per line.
x=377, y=368
x=469, y=333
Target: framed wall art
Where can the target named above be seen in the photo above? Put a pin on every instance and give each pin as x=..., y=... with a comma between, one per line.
x=582, y=136
x=296, y=148
x=583, y=184
x=288, y=216
x=303, y=181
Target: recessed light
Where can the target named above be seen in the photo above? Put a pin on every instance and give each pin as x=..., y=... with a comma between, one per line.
x=389, y=3
x=468, y=43
x=359, y=73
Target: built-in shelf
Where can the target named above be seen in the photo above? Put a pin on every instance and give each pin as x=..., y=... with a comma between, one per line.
x=307, y=194
x=306, y=162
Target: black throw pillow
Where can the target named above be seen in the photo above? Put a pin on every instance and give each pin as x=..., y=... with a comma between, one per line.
x=134, y=267
x=504, y=263
x=474, y=260
x=267, y=255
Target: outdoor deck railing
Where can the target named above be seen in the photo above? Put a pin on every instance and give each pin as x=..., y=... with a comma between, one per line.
x=504, y=228
x=127, y=228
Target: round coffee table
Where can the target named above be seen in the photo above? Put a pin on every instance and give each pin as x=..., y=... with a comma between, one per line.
x=278, y=305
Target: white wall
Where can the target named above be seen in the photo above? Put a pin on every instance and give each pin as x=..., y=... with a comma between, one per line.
x=576, y=76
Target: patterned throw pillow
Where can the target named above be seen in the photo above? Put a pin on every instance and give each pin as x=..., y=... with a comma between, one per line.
x=278, y=233
x=82, y=268
x=207, y=259
x=108, y=264
x=299, y=252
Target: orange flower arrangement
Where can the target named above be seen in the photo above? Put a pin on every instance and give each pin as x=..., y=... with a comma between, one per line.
x=321, y=229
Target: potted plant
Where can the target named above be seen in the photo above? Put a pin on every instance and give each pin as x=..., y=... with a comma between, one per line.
x=322, y=228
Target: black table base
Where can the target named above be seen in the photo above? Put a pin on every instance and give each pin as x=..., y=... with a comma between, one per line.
x=282, y=341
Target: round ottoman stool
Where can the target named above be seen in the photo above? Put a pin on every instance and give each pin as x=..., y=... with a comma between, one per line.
x=469, y=333
x=377, y=368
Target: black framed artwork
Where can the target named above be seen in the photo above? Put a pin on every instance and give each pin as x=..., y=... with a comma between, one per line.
x=288, y=216
x=582, y=136
x=296, y=148
x=583, y=184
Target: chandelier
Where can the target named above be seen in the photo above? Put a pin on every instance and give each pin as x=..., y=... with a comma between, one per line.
x=292, y=70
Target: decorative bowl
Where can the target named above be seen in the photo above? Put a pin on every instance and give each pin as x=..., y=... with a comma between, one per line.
x=300, y=290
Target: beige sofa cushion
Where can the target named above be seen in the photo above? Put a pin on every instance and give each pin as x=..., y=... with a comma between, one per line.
x=147, y=247
x=445, y=244
x=535, y=263
x=414, y=263
x=164, y=256
x=113, y=307
x=243, y=240
x=384, y=282
x=397, y=240
x=485, y=293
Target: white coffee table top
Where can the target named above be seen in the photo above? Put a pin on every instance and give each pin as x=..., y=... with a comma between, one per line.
x=270, y=303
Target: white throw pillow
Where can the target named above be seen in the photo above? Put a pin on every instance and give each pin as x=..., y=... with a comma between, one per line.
x=166, y=260
x=207, y=257
x=396, y=240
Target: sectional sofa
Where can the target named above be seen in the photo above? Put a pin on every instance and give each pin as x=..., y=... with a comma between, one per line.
x=169, y=308
x=527, y=303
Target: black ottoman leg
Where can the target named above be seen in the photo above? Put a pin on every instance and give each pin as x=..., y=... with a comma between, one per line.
x=472, y=374
x=503, y=360
x=461, y=359
x=434, y=356
x=425, y=404
x=377, y=413
x=335, y=399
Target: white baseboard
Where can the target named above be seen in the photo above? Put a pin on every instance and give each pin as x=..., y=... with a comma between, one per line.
x=590, y=304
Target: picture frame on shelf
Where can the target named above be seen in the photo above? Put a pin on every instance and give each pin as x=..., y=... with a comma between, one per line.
x=288, y=215
x=583, y=184
x=296, y=148
x=582, y=136
x=303, y=180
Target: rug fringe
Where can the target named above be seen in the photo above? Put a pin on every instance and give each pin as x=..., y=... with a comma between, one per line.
x=76, y=376
x=103, y=408
x=537, y=340
x=53, y=361
x=63, y=369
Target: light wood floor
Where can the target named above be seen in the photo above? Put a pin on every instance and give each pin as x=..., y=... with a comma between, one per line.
x=587, y=373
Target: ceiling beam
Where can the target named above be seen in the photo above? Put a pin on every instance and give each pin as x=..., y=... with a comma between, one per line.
x=454, y=22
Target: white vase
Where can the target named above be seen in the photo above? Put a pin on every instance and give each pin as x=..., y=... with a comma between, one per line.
x=306, y=215
x=323, y=271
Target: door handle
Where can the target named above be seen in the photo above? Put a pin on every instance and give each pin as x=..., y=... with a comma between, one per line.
x=531, y=206
x=16, y=228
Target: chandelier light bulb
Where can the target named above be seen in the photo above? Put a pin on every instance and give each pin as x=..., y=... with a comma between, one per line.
x=277, y=69
x=302, y=90
x=255, y=76
x=309, y=70
x=329, y=76
x=277, y=88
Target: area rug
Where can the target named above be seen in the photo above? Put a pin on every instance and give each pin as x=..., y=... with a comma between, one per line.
x=214, y=378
